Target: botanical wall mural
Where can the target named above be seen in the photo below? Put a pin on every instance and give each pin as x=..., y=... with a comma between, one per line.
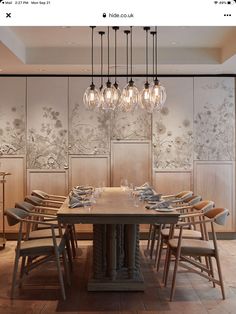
x=214, y=119
x=172, y=127
x=89, y=131
x=12, y=117
x=47, y=146
x=47, y=131
x=201, y=128
x=130, y=126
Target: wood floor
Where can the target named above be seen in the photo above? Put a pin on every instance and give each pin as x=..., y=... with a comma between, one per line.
x=40, y=292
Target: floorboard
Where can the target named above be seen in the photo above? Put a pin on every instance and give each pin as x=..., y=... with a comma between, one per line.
x=40, y=293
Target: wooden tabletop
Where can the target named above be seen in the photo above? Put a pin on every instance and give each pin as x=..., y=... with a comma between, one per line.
x=115, y=206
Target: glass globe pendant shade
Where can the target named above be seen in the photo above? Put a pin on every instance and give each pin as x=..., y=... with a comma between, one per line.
x=108, y=97
x=158, y=95
x=116, y=95
x=130, y=97
x=146, y=99
x=91, y=97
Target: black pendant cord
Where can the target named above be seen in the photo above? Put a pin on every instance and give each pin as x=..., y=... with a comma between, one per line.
x=115, y=29
x=153, y=53
x=146, y=29
x=131, y=53
x=92, y=27
x=108, y=54
x=101, y=34
x=127, y=54
x=156, y=51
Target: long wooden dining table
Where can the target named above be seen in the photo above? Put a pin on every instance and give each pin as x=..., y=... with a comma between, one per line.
x=115, y=218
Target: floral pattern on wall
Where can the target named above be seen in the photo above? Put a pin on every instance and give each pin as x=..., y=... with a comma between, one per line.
x=130, y=126
x=172, y=149
x=89, y=131
x=12, y=130
x=214, y=120
x=47, y=145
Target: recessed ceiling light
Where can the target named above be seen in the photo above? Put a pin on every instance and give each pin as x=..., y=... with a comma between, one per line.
x=42, y=70
x=173, y=43
x=1, y=70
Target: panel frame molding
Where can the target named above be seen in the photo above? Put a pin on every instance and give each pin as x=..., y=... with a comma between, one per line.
x=189, y=171
x=150, y=159
x=86, y=156
x=232, y=183
x=32, y=171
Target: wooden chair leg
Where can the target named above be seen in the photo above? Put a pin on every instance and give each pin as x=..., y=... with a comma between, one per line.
x=220, y=275
x=22, y=270
x=149, y=236
x=158, y=244
x=166, y=266
x=160, y=253
x=174, y=276
x=66, y=268
x=60, y=274
x=14, y=276
x=212, y=270
x=153, y=241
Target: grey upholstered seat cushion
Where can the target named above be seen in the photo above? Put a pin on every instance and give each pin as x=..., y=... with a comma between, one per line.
x=191, y=234
x=193, y=247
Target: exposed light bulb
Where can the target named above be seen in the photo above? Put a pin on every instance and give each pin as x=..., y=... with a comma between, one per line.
x=91, y=97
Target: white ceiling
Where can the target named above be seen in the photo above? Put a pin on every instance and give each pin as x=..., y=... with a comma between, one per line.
x=67, y=50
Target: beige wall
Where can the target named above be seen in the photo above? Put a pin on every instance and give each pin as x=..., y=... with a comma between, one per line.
x=57, y=143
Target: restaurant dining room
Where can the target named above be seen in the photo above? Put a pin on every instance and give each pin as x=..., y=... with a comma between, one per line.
x=117, y=169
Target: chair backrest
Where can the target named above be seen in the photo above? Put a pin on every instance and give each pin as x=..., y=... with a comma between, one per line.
x=34, y=200
x=15, y=215
x=194, y=199
x=25, y=205
x=184, y=194
x=41, y=194
x=218, y=214
x=204, y=206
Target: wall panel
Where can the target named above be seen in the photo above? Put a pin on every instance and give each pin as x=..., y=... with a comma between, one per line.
x=89, y=170
x=51, y=181
x=47, y=122
x=15, y=183
x=216, y=181
x=131, y=160
x=172, y=182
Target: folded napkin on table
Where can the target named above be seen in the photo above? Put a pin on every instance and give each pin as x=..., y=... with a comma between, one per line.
x=76, y=202
x=160, y=205
x=155, y=197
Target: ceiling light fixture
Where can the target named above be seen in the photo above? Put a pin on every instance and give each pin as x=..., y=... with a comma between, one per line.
x=145, y=95
x=101, y=78
x=158, y=92
x=130, y=93
x=109, y=90
x=117, y=91
x=91, y=96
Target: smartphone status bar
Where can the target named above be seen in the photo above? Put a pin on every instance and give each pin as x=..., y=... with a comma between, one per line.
x=132, y=12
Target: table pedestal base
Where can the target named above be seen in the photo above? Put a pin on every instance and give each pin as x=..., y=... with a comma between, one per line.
x=116, y=265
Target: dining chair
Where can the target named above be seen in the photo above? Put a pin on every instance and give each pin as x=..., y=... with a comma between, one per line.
x=37, y=251
x=189, y=232
x=37, y=201
x=187, y=251
x=47, y=196
x=154, y=229
x=43, y=231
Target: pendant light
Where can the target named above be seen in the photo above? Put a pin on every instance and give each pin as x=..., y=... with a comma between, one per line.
x=108, y=92
x=91, y=96
x=130, y=93
x=158, y=92
x=145, y=95
x=117, y=91
x=101, y=88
